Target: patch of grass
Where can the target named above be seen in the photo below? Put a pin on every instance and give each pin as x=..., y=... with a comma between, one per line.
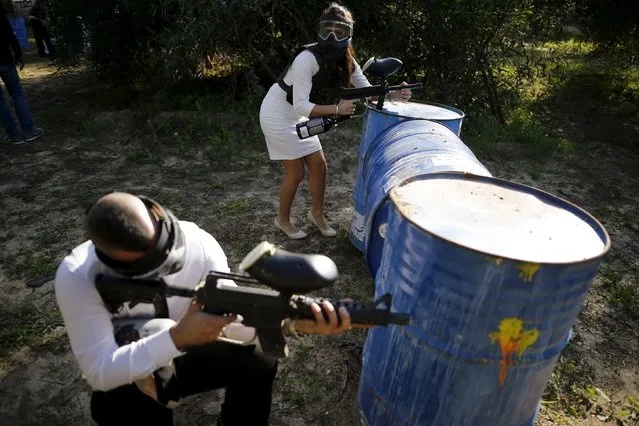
x=42, y=254
x=312, y=396
x=91, y=128
x=242, y=247
x=623, y=294
x=189, y=132
x=142, y=156
x=568, y=47
x=54, y=234
x=233, y=206
x=572, y=70
x=600, y=79
x=38, y=263
x=569, y=394
x=222, y=147
x=525, y=128
x=523, y=136
x=25, y=325
x=622, y=90
x=7, y=235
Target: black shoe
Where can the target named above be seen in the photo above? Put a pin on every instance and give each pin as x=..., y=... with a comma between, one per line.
x=34, y=134
x=16, y=140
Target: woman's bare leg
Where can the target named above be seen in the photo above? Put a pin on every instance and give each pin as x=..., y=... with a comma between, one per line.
x=317, y=185
x=294, y=175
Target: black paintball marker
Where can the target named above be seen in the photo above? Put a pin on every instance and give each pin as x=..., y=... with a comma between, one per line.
x=381, y=68
x=286, y=274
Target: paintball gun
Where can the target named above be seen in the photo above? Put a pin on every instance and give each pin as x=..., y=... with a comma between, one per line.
x=286, y=273
x=381, y=68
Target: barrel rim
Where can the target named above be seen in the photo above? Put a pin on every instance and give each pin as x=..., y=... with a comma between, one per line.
x=462, y=115
x=578, y=211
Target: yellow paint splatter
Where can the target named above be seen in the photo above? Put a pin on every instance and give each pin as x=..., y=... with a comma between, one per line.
x=496, y=260
x=528, y=270
x=512, y=339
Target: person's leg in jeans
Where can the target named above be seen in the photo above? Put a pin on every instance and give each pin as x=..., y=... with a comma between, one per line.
x=246, y=375
x=11, y=80
x=7, y=119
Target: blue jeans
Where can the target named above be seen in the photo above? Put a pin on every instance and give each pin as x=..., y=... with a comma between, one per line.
x=11, y=79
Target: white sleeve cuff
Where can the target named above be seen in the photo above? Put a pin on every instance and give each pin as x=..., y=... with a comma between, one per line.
x=161, y=348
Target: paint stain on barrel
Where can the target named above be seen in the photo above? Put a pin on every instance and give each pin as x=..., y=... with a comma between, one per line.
x=512, y=339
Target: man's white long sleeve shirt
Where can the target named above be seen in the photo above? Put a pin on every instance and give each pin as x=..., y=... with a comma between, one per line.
x=89, y=323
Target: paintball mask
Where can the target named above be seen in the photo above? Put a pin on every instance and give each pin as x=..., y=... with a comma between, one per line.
x=333, y=36
x=166, y=257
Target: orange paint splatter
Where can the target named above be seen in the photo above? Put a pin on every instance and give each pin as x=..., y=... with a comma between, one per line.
x=512, y=339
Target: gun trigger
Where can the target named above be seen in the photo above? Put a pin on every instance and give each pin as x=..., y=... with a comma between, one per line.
x=386, y=298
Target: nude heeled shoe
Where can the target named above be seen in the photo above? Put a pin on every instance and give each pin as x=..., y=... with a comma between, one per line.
x=328, y=232
x=292, y=235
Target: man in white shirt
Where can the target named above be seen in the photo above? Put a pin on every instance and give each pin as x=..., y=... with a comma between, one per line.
x=135, y=237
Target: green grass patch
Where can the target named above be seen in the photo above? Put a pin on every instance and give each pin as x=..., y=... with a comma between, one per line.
x=624, y=295
x=217, y=138
x=25, y=325
x=573, y=71
x=41, y=253
x=523, y=136
x=567, y=47
x=233, y=207
x=569, y=394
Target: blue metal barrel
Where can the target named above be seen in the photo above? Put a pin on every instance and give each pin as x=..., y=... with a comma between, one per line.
x=493, y=274
x=20, y=30
x=408, y=149
x=377, y=122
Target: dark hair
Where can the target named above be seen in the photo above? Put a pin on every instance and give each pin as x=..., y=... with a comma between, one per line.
x=114, y=226
x=346, y=68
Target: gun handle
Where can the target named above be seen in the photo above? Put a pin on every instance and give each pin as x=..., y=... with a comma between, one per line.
x=272, y=342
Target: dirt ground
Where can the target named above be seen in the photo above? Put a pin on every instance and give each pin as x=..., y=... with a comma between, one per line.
x=182, y=159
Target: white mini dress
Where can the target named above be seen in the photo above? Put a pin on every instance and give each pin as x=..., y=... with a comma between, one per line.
x=278, y=118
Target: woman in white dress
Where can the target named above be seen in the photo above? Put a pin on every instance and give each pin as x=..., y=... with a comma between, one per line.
x=316, y=72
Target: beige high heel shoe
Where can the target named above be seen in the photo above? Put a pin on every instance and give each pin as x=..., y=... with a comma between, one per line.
x=292, y=235
x=328, y=232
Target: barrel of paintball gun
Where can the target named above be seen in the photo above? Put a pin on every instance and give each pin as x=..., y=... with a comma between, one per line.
x=360, y=313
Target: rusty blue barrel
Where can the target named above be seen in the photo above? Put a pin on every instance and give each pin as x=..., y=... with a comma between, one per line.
x=408, y=149
x=493, y=274
x=377, y=122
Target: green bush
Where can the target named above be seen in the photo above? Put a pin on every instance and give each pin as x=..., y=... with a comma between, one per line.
x=473, y=54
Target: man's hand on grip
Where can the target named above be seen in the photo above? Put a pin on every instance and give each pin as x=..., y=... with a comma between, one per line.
x=198, y=328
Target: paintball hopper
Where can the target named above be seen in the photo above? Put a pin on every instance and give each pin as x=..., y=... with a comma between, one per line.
x=382, y=68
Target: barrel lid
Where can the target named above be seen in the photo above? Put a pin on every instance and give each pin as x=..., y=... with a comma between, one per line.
x=500, y=218
x=423, y=110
